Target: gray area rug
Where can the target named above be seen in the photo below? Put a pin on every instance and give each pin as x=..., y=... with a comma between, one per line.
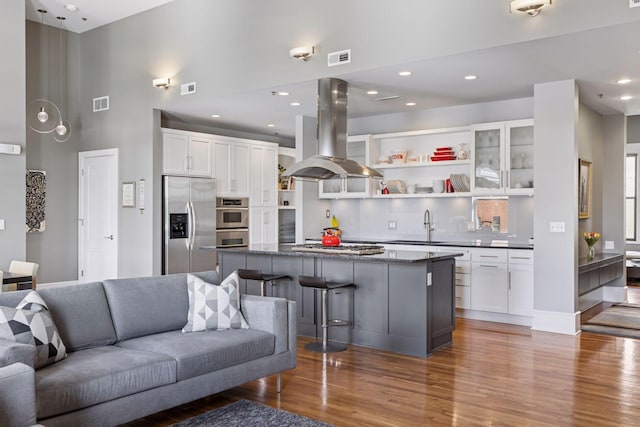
x=245, y=413
x=622, y=320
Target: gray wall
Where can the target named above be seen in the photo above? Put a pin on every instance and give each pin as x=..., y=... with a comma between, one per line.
x=12, y=131
x=613, y=165
x=231, y=47
x=55, y=249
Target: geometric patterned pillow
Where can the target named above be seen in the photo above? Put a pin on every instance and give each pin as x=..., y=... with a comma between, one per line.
x=214, y=307
x=31, y=323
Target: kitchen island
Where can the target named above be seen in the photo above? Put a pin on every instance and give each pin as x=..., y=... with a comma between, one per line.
x=403, y=302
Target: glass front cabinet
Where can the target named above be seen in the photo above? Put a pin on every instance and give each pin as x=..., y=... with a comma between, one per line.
x=502, y=157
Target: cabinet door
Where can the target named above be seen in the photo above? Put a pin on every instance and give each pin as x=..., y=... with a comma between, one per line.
x=174, y=154
x=264, y=176
x=200, y=157
x=263, y=225
x=330, y=188
x=489, y=287
x=488, y=159
x=519, y=156
x=521, y=289
x=239, y=169
x=222, y=156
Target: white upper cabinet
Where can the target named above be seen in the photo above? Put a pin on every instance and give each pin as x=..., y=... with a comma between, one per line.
x=232, y=167
x=186, y=154
x=360, y=149
x=502, y=157
x=264, y=175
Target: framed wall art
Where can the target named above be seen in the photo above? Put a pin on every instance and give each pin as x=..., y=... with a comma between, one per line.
x=584, y=189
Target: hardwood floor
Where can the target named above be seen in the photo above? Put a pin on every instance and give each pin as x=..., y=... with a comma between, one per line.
x=493, y=374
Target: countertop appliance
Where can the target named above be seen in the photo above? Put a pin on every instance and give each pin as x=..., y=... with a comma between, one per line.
x=189, y=222
x=342, y=249
x=232, y=220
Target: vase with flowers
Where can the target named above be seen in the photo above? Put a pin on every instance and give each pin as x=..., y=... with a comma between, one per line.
x=591, y=237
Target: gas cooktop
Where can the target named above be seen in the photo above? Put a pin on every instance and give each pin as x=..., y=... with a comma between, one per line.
x=342, y=249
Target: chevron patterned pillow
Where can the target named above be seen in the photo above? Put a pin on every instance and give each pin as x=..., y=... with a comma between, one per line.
x=214, y=307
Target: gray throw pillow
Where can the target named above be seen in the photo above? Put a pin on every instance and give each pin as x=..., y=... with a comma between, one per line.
x=214, y=306
x=31, y=323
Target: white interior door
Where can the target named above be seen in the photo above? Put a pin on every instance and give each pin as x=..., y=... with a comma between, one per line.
x=98, y=215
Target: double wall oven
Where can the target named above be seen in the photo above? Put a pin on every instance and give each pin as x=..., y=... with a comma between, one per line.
x=232, y=222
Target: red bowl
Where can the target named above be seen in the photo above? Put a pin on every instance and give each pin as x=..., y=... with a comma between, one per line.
x=330, y=241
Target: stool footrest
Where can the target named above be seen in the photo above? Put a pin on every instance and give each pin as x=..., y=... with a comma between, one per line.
x=338, y=322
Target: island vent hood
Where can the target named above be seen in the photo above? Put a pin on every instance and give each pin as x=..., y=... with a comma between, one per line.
x=331, y=160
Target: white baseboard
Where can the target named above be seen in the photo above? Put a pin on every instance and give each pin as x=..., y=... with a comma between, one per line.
x=488, y=316
x=557, y=322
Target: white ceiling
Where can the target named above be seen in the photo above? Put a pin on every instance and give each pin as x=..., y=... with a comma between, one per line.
x=96, y=12
x=595, y=58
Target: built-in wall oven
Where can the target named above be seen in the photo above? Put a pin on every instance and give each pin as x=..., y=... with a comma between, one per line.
x=232, y=221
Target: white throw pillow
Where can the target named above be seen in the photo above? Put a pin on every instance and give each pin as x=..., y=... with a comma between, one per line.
x=214, y=307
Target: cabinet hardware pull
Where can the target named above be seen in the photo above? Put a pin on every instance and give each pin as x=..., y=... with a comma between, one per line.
x=488, y=266
x=520, y=257
x=488, y=256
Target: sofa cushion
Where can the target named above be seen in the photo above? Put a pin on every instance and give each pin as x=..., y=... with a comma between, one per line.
x=206, y=351
x=31, y=323
x=214, y=306
x=150, y=305
x=100, y=374
x=81, y=314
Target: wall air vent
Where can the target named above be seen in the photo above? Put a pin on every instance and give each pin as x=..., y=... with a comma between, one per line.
x=100, y=104
x=634, y=3
x=339, y=58
x=188, y=88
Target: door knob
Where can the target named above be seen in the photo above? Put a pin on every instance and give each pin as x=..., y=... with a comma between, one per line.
x=110, y=237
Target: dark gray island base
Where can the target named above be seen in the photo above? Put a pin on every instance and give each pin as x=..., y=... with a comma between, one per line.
x=404, y=301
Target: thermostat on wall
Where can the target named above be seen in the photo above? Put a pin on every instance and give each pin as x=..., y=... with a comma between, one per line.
x=10, y=149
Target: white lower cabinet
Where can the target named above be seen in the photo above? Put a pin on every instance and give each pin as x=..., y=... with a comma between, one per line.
x=489, y=286
x=263, y=225
x=521, y=282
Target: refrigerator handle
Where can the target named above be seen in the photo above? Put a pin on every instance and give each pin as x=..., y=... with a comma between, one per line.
x=192, y=232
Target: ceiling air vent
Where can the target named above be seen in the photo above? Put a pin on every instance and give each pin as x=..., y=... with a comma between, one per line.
x=188, y=88
x=100, y=104
x=634, y=3
x=339, y=58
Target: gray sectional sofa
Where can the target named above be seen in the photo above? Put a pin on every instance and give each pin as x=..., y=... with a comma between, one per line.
x=127, y=357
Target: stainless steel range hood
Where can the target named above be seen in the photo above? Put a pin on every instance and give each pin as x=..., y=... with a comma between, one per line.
x=331, y=160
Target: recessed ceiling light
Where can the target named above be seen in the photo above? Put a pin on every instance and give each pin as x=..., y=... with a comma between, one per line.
x=372, y=92
x=623, y=81
x=470, y=77
x=404, y=73
x=295, y=104
x=410, y=104
x=71, y=7
x=271, y=125
x=280, y=93
x=215, y=116
x=625, y=97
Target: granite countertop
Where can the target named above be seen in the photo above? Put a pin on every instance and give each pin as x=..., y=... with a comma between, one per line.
x=500, y=244
x=387, y=256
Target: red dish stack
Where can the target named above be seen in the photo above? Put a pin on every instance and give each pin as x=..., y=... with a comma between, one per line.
x=443, y=153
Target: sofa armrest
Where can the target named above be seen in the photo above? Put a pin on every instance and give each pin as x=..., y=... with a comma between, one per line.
x=18, y=397
x=270, y=315
x=12, y=352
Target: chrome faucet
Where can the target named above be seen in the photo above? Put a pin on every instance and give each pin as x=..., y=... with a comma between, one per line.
x=427, y=224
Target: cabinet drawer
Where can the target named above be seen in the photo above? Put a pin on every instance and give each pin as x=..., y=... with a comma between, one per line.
x=489, y=255
x=519, y=256
x=463, y=279
x=465, y=251
x=463, y=297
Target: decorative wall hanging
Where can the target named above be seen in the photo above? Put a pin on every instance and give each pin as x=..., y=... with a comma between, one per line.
x=584, y=189
x=35, y=203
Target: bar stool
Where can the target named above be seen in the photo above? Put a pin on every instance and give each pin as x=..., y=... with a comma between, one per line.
x=262, y=278
x=319, y=283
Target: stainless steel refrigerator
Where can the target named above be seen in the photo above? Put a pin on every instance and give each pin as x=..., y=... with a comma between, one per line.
x=189, y=222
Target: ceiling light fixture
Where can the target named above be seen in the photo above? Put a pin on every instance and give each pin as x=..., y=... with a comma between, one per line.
x=372, y=92
x=410, y=104
x=623, y=81
x=295, y=104
x=404, y=73
x=163, y=82
x=271, y=125
x=215, y=116
x=530, y=7
x=302, y=52
x=626, y=97
x=43, y=115
x=470, y=77
x=63, y=128
x=71, y=7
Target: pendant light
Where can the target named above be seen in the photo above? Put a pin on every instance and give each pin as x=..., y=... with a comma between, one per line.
x=63, y=128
